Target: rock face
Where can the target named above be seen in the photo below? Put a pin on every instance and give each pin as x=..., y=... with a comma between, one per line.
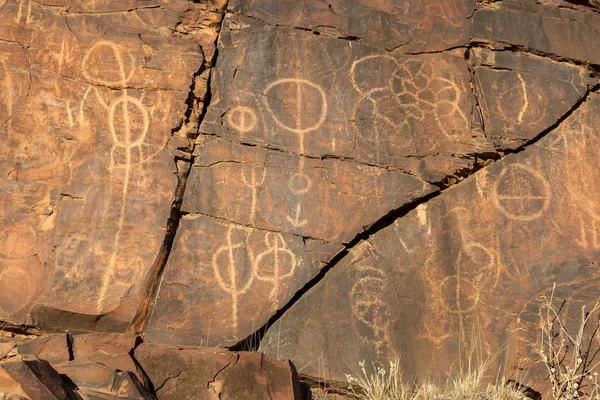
x=193, y=172
x=118, y=366
x=444, y=273
x=91, y=96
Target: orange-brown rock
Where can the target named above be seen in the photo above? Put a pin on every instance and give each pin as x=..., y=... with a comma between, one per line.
x=203, y=373
x=91, y=95
x=409, y=25
x=476, y=262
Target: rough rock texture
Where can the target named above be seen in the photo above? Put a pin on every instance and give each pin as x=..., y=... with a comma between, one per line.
x=444, y=273
x=91, y=96
x=118, y=366
x=203, y=373
x=196, y=171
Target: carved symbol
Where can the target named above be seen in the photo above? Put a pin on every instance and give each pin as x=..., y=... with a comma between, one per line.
x=460, y=293
x=296, y=221
x=242, y=119
x=254, y=184
x=297, y=105
x=299, y=183
x=275, y=257
x=6, y=95
x=368, y=308
x=232, y=281
x=19, y=16
x=411, y=93
x=521, y=193
x=273, y=265
x=128, y=123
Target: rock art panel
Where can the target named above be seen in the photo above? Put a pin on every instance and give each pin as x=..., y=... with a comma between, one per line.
x=86, y=198
x=234, y=278
x=357, y=102
x=273, y=188
x=476, y=261
x=561, y=31
x=409, y=25
x=242, y=252
x=522, y=95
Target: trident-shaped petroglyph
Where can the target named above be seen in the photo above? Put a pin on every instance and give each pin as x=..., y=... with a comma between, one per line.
x=254, y=183
x=232, y=281
x=128, y=124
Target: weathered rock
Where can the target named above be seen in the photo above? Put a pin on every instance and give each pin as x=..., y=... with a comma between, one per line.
x=32, y=380
x=96, y=363
x=203, y=373
x=409, y=25
x=358, y=102
x=475, y=262
x=564, y=32
x=523, y=95
x=85, y=200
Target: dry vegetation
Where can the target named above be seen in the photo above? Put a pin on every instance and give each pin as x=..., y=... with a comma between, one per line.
x=570, y=356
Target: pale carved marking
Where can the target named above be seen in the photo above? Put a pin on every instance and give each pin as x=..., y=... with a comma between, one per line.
x=417, y=93
x=521, y=193
x=242, y=119
x=368, y=308
x=6, y=95
x=300, y=121
x=254, y=183
x=299, y=184
x=24, y=10
x=275, y=256
x=128, y=124
x=525, y=100
x=231, y=256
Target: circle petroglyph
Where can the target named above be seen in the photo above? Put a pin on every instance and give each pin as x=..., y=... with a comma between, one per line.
x=475, y=269
x=521, y=193
x=128, y=122
x=104, y=64
x=242, y=119
x=299, y=183
x=297, y=105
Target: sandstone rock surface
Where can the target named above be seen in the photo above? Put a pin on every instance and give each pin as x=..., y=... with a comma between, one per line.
x=477, y=261
x=337, y=174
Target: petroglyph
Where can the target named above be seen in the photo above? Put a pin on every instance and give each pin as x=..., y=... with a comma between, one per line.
x=369, y=309
x=108, y=64
x=297, y=221
x=254, y=183
x=236, y=265
x=414, y=91
x=24, y=12
x=242, y=119
x=521, y=193
x=232, y=256
x=275, y=264
x=296, y=105
x=7, y=96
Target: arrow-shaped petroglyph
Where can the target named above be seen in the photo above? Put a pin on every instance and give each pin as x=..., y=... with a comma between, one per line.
x=296, y=221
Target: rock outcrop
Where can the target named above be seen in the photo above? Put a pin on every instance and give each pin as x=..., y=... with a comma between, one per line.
x=350, y=179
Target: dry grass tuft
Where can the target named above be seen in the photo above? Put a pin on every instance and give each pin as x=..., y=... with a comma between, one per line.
x=388, y=385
